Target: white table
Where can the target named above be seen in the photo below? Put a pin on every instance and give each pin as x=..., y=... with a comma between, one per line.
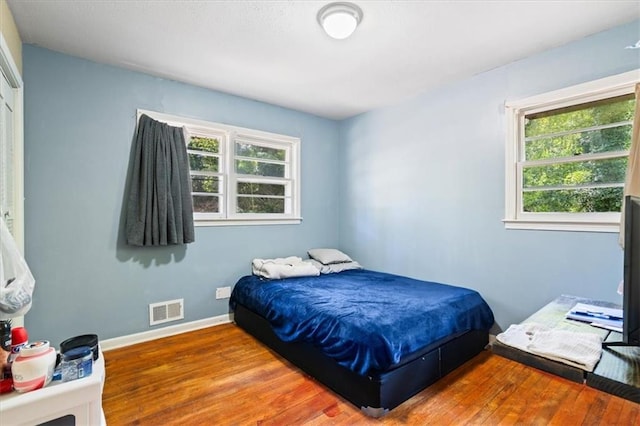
x=80, y=398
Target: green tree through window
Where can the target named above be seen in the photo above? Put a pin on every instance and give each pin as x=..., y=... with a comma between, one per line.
x=204, y=164
x=575, y=158
x=252, y=159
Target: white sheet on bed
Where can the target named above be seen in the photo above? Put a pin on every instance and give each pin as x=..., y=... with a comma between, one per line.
x=283, y=267
x=333, y=268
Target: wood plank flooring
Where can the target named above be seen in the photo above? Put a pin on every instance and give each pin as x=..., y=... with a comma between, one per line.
x=223, y=376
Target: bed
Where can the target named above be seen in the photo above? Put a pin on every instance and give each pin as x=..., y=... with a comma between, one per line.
x=374, y=338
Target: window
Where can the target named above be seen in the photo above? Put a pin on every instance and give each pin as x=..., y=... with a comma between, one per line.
x=7, y=154
x=11, y=147
x=207, y=174
x=262, y=171
x=567, y=156
x=238, y=175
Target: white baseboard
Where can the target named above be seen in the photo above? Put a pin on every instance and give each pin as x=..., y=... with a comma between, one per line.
x=145, y=336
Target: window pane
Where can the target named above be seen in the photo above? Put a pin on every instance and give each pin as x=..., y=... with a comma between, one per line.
x=260, y=205
x=204, y=144
x=251, y=167
x=261, y=152
x=575, y=174
x=203, y=163
x=206, y=204
x=249, y=188
x=204, y=184
x=598, y=113
x=587, y=200
x=594, y=141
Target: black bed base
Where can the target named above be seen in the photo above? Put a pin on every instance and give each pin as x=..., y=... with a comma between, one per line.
x=378, y=393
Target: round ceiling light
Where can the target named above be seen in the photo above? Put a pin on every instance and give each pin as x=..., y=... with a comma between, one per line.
x=339, y=20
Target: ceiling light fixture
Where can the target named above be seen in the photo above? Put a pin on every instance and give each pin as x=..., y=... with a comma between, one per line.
x=339, y=20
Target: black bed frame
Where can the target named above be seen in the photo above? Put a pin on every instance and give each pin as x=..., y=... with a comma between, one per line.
x=377, y=393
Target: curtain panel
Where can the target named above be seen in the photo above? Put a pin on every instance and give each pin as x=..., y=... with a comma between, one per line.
x=159, y=208
x=632, y=181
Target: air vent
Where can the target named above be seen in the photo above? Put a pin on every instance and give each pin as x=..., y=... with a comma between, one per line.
x=162, y=312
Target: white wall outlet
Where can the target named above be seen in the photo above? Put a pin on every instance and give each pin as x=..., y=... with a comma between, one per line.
x=223, y=292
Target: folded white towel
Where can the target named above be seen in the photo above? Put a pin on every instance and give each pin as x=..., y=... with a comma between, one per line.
x=582, y=350
x=287, y=267
x=519, y=335
x=291, y=260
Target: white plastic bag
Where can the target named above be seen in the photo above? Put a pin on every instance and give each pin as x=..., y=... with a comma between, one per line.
x=16, y=281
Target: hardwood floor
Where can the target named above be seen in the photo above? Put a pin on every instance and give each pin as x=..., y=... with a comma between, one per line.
x=223, y=376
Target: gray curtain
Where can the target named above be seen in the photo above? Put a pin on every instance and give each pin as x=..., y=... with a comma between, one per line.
x=159, y=208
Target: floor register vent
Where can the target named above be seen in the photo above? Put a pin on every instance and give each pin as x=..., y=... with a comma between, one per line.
x=162, y=312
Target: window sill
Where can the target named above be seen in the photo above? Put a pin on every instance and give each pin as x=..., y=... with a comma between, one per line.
x=557, y=225
x=246, y=222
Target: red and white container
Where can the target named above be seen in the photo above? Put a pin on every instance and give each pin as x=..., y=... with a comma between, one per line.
x=33, y=368
x=19, y=338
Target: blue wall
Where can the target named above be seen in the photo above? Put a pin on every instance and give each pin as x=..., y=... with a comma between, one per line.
x=415, y=189
x=79, y=123
x=424, y=182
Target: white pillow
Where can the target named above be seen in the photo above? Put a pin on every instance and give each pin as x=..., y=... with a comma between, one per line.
x=328, y=256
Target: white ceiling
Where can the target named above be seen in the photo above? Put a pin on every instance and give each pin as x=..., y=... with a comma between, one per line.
x=275, y=51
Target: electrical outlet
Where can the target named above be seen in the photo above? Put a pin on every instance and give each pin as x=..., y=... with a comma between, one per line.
x=223, y=292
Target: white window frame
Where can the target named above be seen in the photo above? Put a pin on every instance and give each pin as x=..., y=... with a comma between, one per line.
x=10, y=70
x=515, y=112
x=227, y=136
x=223, y=138
x=15, y=90
x=273, y=141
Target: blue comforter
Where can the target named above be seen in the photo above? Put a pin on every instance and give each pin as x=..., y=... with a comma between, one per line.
x=365, y=320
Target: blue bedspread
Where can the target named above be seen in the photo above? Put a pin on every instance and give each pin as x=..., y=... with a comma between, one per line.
x=365, y=320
